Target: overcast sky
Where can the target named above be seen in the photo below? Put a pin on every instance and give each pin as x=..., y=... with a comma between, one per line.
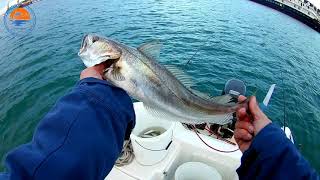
x=2, y=3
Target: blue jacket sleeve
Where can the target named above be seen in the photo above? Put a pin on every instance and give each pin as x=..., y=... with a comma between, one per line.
x=80, y=138
x=273, y=156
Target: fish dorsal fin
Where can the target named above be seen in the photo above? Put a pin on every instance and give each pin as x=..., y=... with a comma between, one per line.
x=180, y=75
x=151, y=49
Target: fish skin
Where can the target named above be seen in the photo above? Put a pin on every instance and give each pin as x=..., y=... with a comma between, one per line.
x=143, y=78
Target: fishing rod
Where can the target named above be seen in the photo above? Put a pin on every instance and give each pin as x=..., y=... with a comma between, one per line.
x=284, y=102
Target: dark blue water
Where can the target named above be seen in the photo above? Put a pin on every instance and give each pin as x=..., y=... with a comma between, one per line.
x=234, y=39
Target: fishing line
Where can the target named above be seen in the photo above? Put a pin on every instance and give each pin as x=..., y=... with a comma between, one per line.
x=284, y=102
x=223, y=151
x=198, y=49
x=193, y=55
x=163, y=149
x=219, y=137
x=202, y=45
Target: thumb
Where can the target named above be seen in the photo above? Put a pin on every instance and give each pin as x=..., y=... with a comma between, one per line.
x=254, y=108
x=99, y=68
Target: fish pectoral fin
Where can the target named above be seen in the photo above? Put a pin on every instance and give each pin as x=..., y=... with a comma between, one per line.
x=116, y=74
x=153, y=111
x=151, y=49
x=158, y=113
x=180, y=75
x=220, y=119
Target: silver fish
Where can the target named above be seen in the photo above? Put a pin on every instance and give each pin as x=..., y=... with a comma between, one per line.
x=137, y=72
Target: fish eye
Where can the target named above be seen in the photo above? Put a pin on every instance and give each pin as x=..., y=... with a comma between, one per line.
x=95, y=39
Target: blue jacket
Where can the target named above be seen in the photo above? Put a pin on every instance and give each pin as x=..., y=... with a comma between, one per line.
x=272, y=155
x=82, y=136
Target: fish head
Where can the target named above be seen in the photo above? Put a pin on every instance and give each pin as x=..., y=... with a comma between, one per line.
x=97, y=49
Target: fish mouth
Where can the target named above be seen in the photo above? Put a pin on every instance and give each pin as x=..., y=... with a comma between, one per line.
x=84, y=44
x=88, y=40
x=107, y=64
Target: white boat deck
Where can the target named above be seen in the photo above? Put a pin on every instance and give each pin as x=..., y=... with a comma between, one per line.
x=185, y=147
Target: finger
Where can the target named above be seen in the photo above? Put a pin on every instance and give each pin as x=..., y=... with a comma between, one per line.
x=241, y=98
x=83, y=73
x=243, y=145
x=243, y=116
x=241, y=113
x=245, y=125
x=90, y=72
x=99, y=68
x=242, y=134
x=254, y=108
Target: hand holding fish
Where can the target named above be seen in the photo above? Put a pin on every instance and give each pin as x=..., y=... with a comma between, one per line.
x=94, y=71
x=249, y=125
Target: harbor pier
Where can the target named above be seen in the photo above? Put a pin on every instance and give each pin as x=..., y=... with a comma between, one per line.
x=301, y=10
